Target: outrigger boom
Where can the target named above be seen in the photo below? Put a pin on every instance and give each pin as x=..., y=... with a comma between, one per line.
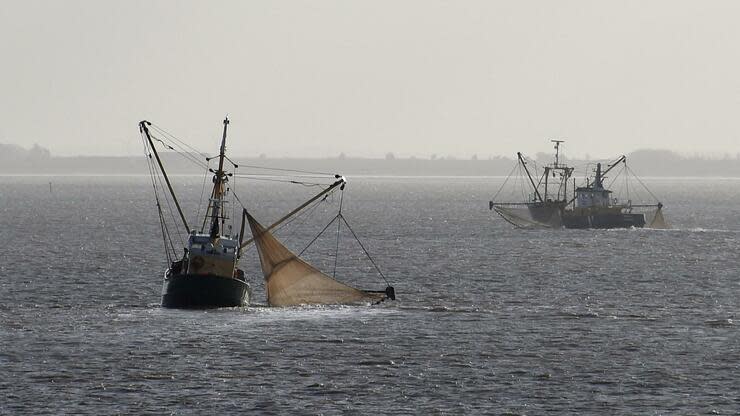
x=340, y=182
x=143, y=127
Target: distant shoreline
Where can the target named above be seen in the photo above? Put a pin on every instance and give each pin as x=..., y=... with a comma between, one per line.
x=644, y=163
x=348, y=177
x=411, y=168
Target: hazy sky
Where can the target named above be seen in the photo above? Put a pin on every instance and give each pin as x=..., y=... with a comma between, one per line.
x=320, y=77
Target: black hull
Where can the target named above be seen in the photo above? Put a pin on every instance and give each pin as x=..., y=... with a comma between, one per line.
x=604, y=221
x=203, y=291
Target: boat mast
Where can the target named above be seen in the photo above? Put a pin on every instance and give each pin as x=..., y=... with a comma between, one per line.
x=556, y=166
x=143, y=127
x=524, y=164
x=218, y=187
x=557, y=151
x=597, y=181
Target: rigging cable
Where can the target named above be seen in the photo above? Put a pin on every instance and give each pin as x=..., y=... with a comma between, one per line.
x=169, y=208
x=232, y=187
x=523, y=186
x=174, y=138
x=288, y=176
x=174, y=221
x=202, y=191
x=148, y=157
x=209, y=210
x=341, y=217
x=180, y=152
x=307, y=184
x=339, y=224
x=363, y=248
x=304, y=215
x=643, y=185
x=318, y=235
x=504, y=184
x=288, y=170
x=165, y=231
x=615, y=179
x=181, y=144
x=626, y=180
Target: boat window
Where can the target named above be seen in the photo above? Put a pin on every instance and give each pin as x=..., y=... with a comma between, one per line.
x=196, y=246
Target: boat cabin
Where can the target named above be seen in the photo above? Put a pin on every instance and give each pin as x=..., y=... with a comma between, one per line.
x=587, y=197
x=207, y=256
x=593, y=195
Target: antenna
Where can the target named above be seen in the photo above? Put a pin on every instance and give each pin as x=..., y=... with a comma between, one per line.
x=557, y=150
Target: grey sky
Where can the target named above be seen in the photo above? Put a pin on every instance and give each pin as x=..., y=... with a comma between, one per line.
x=320, y=77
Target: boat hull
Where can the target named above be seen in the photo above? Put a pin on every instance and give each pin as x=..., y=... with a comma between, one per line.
x=203, y=291
x=618, y=220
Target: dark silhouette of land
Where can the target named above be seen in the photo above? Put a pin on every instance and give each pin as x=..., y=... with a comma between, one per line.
x=16, y=160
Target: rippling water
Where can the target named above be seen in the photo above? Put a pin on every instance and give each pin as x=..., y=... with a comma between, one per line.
x=489, y=319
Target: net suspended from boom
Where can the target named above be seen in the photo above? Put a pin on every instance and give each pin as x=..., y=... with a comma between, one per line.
x=656, y=220
x=290, y=281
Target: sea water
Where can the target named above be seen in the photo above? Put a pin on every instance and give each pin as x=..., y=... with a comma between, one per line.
x=489, y=319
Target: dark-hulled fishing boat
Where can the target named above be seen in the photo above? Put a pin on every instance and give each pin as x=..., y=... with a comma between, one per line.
x=207, y=274
x=589, y=206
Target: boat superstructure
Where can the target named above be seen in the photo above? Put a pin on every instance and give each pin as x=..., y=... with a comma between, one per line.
x=594, y=207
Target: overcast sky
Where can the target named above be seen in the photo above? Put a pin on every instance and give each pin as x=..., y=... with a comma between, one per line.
x=320, y=77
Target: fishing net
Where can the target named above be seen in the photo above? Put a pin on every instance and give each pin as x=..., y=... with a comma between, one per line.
x=291, y=281
x=656, y=220
x=522, y=218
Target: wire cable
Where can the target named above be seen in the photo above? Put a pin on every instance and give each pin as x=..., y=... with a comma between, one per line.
x=363, y=248
x=287, y=170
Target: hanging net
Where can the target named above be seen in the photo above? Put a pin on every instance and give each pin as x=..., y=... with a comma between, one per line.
x=656, y=220
x=522, y=218
x=290, y=281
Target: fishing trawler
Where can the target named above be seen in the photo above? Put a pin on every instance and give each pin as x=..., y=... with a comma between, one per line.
x=589, y=206
x=207, y=273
